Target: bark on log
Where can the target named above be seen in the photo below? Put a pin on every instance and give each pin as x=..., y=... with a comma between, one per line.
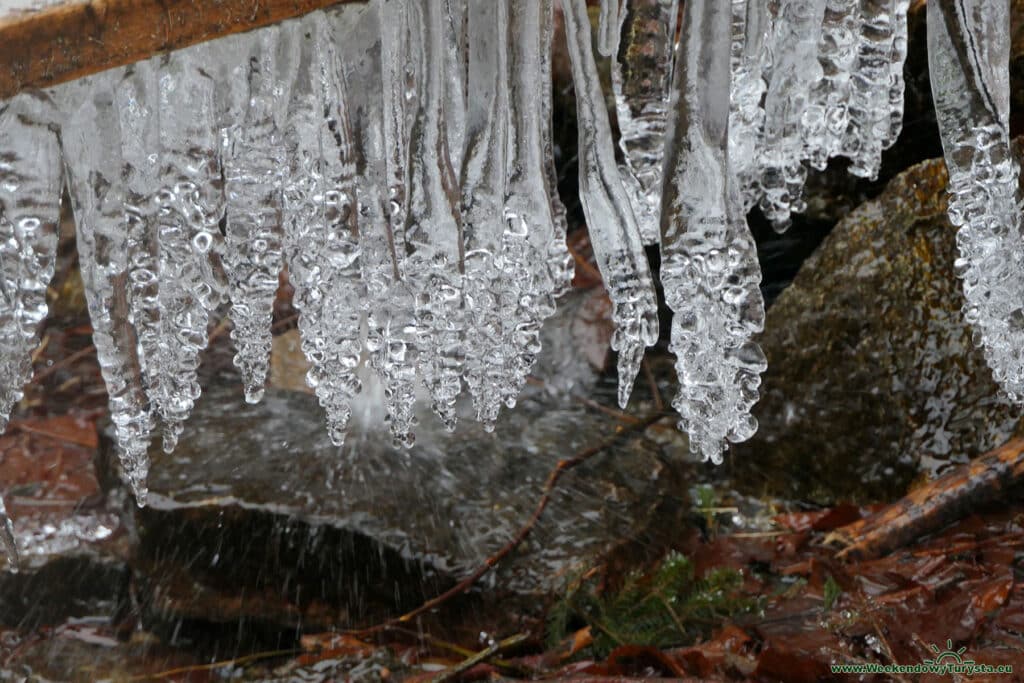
x=934, y=505
x=68, y=40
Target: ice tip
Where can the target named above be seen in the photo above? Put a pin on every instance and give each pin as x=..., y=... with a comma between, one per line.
x=254, y=394
x=629, y=368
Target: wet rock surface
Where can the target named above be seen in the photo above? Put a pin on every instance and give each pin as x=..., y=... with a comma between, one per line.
x=872, y=376
x=257, y=517
x=73, y=550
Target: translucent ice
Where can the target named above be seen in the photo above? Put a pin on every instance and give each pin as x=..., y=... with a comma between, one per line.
x=98, y=201
x=869, y=124
x=320, y=218
x=614, y=233
x=709, y=264
x=190, y=198
x=795, y=68
x=746, y=112
x=7, y=538
x=433, y=265
x=30, y=186
x=826, y=117
x=483, y=199
x=968, y=57
x=641, y=79
x=254, y=175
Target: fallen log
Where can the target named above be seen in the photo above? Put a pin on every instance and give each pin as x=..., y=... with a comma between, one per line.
x=934, y=505
x=46, y=42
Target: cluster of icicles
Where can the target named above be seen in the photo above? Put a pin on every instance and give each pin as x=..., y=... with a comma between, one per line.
x=397, y=158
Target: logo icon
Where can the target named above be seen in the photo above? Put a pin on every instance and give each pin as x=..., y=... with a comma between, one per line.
x=949, y=655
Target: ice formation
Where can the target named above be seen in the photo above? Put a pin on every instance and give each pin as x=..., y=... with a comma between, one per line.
x=641, y=79
x=7, y=538
x=709, y=265
x=968, y=56
x=397, y=159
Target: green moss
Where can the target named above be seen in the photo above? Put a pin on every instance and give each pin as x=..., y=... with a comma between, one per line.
x=666, y=607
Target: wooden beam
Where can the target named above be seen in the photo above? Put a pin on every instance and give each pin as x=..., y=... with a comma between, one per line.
x=59, y=41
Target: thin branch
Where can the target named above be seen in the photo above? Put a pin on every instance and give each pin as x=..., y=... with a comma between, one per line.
x=480, y=657
x=556, y=473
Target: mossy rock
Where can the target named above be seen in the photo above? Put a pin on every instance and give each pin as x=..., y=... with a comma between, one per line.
x=872, y=374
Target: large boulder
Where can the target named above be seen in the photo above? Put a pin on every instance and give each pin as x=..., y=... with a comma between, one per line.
x=872, y=375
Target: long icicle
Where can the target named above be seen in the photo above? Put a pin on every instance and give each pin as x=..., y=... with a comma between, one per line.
x=869, y=126
x=642, y=79
x=968, y=58
x=322, y=233
x=483, y=200
x=254, y=174
x=560, y=262
x=795, y=68
x=392, y=336
x=98, y=200
x=8, y=540
x=136, y=103
x=746, y=111
x=433, y=236
x=30, y=186
x=709, y=266
x=614, y=234
x=191, y=205
x=530, y=257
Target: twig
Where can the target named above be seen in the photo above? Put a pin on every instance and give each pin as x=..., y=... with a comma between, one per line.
x=583, y=263
x=63, y=363
x=561, y=468
x=450, y=647
x=612, y=412
x=217, y=665
x=659, y=402
x=479, y=657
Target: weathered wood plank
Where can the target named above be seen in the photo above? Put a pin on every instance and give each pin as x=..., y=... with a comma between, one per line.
x=45, y=42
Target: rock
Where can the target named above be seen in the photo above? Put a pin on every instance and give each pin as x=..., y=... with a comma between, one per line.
x=258, y=518
x=872, y=376
x=72, y=547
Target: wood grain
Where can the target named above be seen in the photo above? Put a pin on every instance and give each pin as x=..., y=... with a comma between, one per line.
x=67, y=40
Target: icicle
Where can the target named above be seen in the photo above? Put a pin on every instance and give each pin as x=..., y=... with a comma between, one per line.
x=869, y=126
x=8, y=540
x=608, y=27
x=392, y=337
x=641, y=78
x=95, y=182
x=320, y=211
x=191, y=205
x=533, y=250
x=746, y=113
x=483, y=200
x=896, y=84
x=433, y=237
x=709, y=263
x=136, y=99
x=455, y=97
x=614, y=234
x=254, y=169
x=560, y=261
x=826, y=117
x=30, y=186
x=968, y=58
x=795, y=68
